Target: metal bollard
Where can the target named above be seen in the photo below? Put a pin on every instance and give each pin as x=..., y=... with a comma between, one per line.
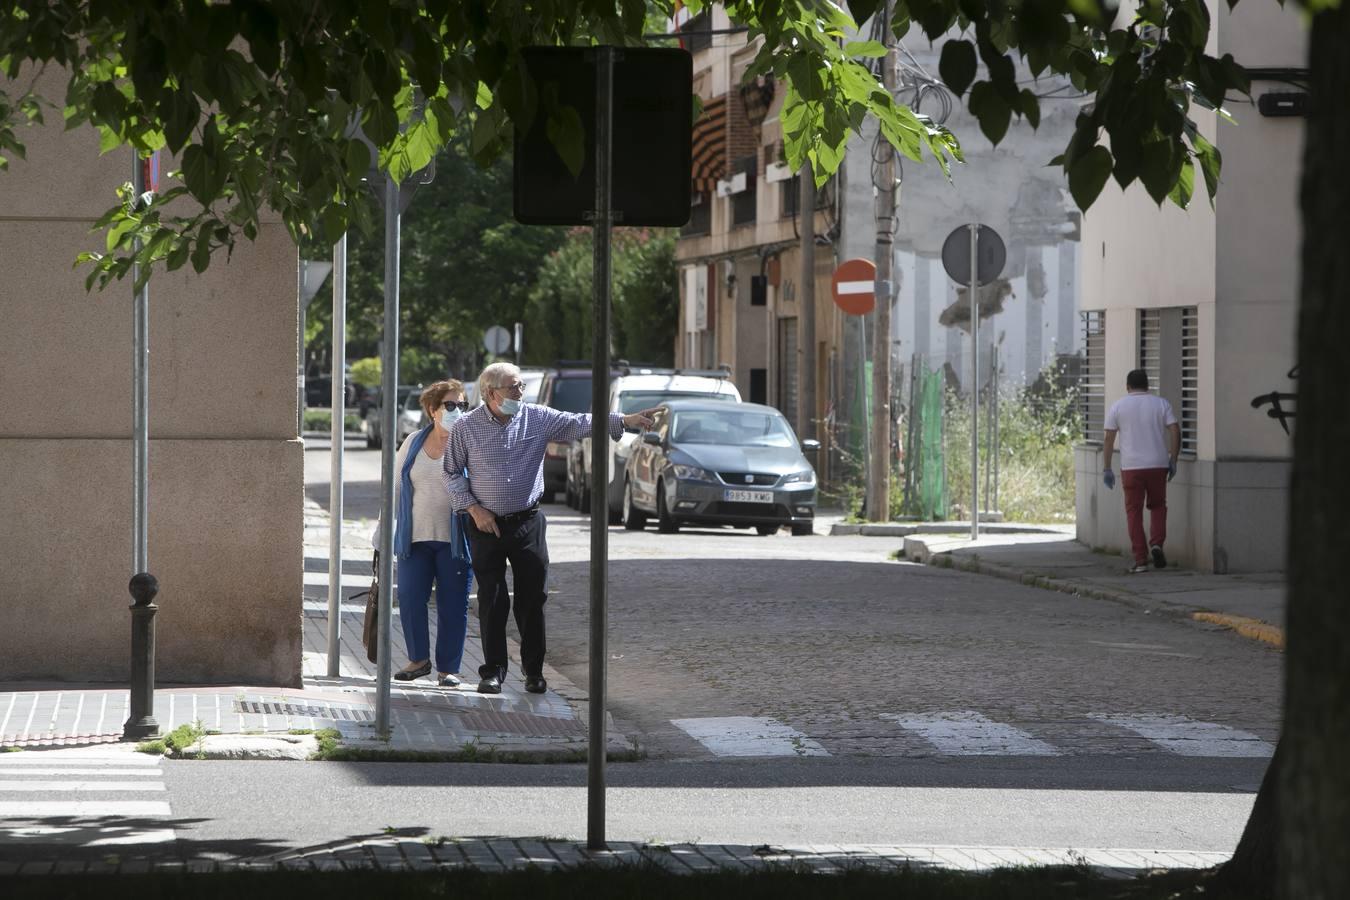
x=141, y=723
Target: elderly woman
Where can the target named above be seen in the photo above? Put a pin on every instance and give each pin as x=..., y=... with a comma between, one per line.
x=431, y=543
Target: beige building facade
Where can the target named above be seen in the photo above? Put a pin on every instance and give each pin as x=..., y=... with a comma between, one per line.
x=1205, y=300
x=226, y=466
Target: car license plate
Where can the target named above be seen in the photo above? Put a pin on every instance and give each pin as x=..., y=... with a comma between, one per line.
x=749, y=496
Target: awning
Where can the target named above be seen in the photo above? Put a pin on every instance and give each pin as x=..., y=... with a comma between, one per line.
x=710, y=146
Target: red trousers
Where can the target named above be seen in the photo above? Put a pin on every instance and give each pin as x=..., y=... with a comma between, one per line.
x=1145, y=487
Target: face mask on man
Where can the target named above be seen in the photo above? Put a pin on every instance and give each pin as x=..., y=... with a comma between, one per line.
x=509, y=406
x=449, y=417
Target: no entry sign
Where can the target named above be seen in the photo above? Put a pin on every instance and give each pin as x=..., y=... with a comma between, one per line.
x=854, y=286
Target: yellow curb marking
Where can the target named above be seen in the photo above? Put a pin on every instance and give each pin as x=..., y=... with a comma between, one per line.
x=1249, y=628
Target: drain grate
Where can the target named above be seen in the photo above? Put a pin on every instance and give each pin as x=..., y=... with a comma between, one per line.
x=266, y=708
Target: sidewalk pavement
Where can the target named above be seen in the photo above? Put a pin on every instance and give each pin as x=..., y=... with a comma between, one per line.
x=423, y=717
x=1252, y=605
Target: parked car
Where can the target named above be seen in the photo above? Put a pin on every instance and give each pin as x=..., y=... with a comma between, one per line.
x=635, y=389
x=409, y=417
x=716, y=463
x=568, y=388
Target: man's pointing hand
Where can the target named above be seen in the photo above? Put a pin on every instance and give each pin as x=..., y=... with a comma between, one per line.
x=639, y=420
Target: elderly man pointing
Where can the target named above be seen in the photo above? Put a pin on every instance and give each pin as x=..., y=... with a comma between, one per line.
x=494, y=469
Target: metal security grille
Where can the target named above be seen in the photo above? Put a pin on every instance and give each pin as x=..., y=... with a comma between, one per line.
x=1092, y=388
x=1150, y=346
x=1190, y=378
x=787, y=369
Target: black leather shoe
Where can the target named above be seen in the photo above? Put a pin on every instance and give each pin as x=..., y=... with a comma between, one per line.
x=536, y=684
x=413, y=674
x=490, y=685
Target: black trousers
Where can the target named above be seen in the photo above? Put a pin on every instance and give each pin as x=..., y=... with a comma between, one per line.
x=522, y=544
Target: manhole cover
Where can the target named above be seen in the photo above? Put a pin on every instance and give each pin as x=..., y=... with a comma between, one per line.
x=317, y=711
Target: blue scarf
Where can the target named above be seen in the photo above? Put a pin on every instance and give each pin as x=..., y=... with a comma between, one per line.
x=459, y=533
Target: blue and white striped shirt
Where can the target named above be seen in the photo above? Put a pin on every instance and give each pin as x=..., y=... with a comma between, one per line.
x=505, y=463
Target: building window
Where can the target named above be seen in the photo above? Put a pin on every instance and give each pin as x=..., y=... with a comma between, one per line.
x=1190, y=379
x=1092, y=386
x=789, y=193
x=1169, y=347
x=743, y=203
x=759, y=385
x=700, y=216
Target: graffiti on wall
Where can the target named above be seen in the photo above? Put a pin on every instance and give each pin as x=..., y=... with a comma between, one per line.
x=1277, y=400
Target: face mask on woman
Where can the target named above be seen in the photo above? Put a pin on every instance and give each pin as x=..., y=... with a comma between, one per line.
x=449, y=417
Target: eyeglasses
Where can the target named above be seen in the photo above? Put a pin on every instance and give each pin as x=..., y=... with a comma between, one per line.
x=461, y=405
x=515, y=387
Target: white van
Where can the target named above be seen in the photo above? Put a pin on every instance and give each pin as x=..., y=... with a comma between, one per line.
x=634, y=389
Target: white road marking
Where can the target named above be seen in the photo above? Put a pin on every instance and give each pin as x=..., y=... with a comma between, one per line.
x=73, y=808
x=25, y=771
x=855, y=287
x=1187, y=737
x=32, y=787
x=749, y=736
x=967, y=733
x=80, y=758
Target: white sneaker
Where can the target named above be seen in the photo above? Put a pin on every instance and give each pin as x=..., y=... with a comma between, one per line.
x=1137, y=568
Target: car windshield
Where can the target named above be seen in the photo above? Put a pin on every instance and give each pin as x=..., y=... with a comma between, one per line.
x=637, y=401
x=571, y=394
x=412, y=400
x=736, y=428
x=533, y=381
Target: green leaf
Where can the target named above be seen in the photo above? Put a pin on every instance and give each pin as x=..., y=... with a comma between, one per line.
x=1088, y=176
x=357, y=159
x=862, y=10
x=958, y=65
x=1181, y=192
x=1159, y=167
x=1031, y=108
x=870, y=49
x=993, y=113
x=195, y=173
x=1211, y=163
x=568, y=137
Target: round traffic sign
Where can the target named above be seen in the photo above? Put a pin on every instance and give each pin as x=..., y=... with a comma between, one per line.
x=496, y=339
x=990, y=254
x=854, y=286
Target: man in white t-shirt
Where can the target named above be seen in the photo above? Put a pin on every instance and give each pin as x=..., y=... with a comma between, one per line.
x=1150, y=439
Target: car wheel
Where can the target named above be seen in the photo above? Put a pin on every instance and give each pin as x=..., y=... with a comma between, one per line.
x=802, y=529
x=634, y=519
x=584, y=501
x=766, y=530
x=372, y=442
x=664, y=523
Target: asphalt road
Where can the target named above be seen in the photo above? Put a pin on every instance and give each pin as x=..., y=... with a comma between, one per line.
x=886, y=702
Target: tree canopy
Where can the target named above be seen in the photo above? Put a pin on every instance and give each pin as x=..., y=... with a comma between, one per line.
x=257, y=101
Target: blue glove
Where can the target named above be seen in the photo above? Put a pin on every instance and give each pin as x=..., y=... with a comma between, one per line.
x=1171, y=469
x=1109, y=479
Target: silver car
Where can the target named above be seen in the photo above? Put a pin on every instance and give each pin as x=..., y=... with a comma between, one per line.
x=711, y=463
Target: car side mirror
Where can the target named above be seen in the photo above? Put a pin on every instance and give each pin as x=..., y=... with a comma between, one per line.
x=651, y=437
x=810, y=445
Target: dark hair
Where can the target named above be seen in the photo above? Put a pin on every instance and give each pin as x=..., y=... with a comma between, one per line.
x=1137, y=380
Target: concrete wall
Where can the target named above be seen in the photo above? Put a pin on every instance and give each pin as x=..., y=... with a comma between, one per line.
x=226, y=469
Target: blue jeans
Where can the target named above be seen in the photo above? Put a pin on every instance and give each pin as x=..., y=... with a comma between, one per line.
x=433, y=560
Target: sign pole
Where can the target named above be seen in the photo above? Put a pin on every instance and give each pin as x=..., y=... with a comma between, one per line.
x=603, y=221
x=974, y=382
x=389, y=446
x=339, y=404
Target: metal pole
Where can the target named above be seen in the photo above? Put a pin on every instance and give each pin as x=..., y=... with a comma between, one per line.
x=806, y=306
x=879, y=463
x=600, y=233
x=519, y=340
x=339, y=407
x=974, y=383
x=141, y=721
x=862, y=403
x=300, y=347
x=997, y=426
x=389, y=429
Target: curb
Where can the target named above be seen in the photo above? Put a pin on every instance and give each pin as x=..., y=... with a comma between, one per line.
x=897, y=529
x=1253, y=629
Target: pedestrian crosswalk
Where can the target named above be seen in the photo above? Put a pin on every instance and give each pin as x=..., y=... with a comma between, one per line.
x=54, y=802
x=967, y=732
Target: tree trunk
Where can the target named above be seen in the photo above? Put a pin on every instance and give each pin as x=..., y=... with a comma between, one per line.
x=1308, y=781
x=1314, y=780
x=1251, y=871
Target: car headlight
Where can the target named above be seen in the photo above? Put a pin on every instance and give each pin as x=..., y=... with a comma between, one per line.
x=692, y=473
x=805, y=476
